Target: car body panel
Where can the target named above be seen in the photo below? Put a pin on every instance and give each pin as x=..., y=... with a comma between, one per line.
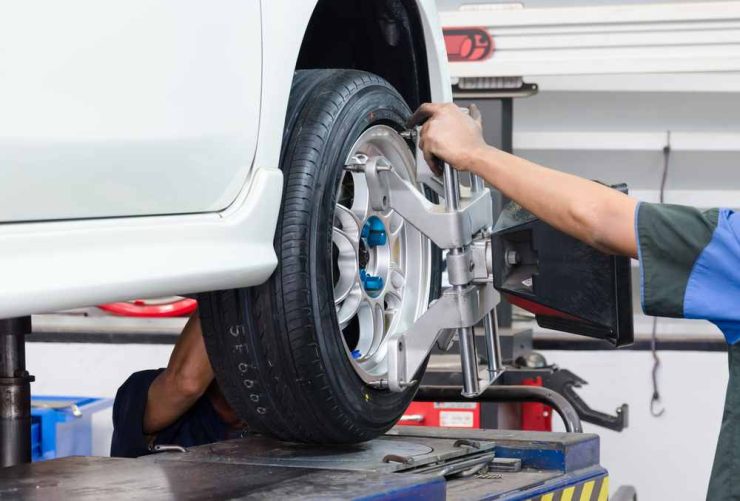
x=133, y=108
x=52, y=265
x=55, y=266
x=439, y=75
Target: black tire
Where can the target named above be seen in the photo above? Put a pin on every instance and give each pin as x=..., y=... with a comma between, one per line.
x=277, y=349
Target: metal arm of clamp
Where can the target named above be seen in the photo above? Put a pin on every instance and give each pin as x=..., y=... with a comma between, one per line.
x=448, y=229
x=407, y=350
x=461, y=227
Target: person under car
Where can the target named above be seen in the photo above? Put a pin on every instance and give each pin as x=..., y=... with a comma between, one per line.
x=179, y=405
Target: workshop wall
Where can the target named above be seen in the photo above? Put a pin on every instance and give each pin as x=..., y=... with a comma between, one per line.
x=90, y=370
x=455, y=4
x=669, y=457
x=614, y=128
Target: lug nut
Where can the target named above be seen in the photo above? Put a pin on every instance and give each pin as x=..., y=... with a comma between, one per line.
x=371, y=282
x=374, y=232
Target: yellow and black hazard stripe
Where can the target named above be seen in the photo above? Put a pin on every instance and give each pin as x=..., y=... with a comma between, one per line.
x=591, y=490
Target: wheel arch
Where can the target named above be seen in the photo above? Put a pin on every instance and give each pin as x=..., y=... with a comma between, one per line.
x=384, y=37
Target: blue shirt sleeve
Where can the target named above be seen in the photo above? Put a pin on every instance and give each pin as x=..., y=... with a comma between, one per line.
x=670, y=239
x=713, y=288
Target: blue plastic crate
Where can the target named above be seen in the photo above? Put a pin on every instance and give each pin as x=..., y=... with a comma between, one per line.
x=36, y=453
x=62, y=426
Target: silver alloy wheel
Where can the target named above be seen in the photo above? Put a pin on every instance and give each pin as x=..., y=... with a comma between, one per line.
x=382, y=265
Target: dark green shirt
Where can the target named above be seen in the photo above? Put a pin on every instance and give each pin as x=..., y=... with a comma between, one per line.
x=690, y=264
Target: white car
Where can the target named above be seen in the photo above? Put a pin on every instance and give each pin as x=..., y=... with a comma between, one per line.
x=159, y=147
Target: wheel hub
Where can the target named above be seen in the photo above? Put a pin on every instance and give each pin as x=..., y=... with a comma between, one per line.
x=381, y=264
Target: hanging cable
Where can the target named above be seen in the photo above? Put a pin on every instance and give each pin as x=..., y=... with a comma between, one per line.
x=666, y=160
x=656, y=407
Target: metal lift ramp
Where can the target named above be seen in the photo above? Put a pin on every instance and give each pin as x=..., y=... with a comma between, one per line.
x=407, y=463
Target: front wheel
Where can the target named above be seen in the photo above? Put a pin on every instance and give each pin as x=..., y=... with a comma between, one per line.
x=298, y=356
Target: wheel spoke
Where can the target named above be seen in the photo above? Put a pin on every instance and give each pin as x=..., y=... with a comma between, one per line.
x=396, y=234
x=346, y=238
x=361, y=197
x=397, y=279
x=372, y=328
x=348, y=222
x=346, y=264
x=349, y=306
x=395, y=226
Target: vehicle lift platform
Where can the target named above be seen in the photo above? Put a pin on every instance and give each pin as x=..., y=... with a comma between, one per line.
x=406, y=463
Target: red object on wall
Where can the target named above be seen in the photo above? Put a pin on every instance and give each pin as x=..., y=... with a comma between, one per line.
x=468, y=44
x=444, y=414
x=142, y=308
x=536, y=416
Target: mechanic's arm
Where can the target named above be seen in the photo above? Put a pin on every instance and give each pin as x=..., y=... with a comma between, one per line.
x=183, y=382
x=593, y=213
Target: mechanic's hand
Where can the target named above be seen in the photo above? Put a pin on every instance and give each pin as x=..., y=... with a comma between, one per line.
x=448, y=134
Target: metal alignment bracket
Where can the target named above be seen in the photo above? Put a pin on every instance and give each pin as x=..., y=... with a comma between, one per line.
x=454, y=310
x=462, y=227
x=447, y=229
